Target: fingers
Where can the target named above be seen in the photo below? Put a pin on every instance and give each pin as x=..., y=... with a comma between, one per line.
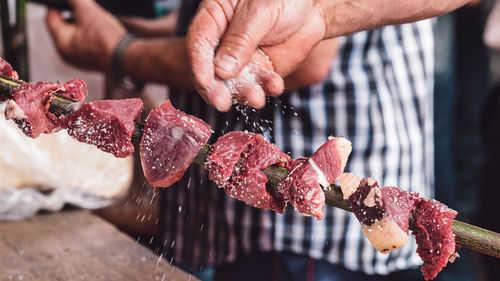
x=217, y=95
x=247, y=93
x=203, y=37
x=273, y=84
x=61, y=31
x=240, y=41
x=287, y=56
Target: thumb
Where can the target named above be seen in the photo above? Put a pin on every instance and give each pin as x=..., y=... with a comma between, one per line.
x=61, y=31
x=240, y=41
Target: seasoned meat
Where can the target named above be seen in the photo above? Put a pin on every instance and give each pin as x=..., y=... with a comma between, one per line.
x=169, y=144
x=432, y=228
x=236, y=163
x=226, y=152
x=30, y=104
x=303, y=186
x=383, y=213
x=107, y=124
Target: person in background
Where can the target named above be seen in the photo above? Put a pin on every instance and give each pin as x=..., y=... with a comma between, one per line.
x=461, y=85
x=377, y=93
x=490, y=133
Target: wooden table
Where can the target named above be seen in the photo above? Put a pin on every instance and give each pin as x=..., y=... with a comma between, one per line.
x=77, y=245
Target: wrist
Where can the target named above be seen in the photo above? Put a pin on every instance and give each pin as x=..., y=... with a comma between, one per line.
x=326, y=11
x=120, y=72
x=117, y=69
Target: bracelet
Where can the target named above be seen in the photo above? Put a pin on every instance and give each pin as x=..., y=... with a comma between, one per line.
x=118, y=54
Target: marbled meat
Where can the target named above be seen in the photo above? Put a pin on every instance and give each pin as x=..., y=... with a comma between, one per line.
x=170, y=142
x=30, y=104
x=303, y=186
x=107, y=124
x=383, y=213
x=236, y=163
x=432, y=228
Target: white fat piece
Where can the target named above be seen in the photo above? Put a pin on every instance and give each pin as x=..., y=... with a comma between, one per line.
x=321, y=176
x=344, y=148
x=13, y=111
x=348, y=183
x=372, y=196
x=385, y=235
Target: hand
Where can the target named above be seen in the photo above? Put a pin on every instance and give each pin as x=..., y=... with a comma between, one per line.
x=249, y=87
x=286, y=30
x=90, y=41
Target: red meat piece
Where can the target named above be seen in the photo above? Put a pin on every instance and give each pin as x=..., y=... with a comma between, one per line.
x=170, y=142
x=30, y=105
x=107, y=124
x=399, y=204
x=248, y=182
x=391, y=201
x=303, y=185
x=226, y=152
x=236, y=163
x=432, y=228
x=383, y=213
x=6, y=70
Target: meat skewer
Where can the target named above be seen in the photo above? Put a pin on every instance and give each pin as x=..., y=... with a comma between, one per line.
x=467, y=235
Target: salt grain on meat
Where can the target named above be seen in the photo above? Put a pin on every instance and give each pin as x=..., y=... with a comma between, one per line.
x=236, y=163
x=225, y=154
x=432, y=228
x=383, y=213
x=303, y=186
x=30, y=104
x=107, y=124
x=170, y=142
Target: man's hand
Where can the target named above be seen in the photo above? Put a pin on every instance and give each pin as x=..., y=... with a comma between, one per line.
x=89, y=42
x=286, y=30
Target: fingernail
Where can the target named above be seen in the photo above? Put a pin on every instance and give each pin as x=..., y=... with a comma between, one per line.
x=226, y=62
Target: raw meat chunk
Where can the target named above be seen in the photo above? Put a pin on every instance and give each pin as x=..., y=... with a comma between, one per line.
x=236, y=163
x=303, y=186
x=226, y=152
x=383, y=213
x=432, y=228
x=169, y=144
x=107, y=124
x=248, y=182
x=6, y=70
x=30, y=104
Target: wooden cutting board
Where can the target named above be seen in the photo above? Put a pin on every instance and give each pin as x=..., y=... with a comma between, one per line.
x=77, y=245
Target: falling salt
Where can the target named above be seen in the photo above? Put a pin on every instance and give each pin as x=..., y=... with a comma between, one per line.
x=158, y=262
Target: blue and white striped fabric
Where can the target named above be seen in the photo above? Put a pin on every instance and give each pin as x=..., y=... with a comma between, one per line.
x=378, y=95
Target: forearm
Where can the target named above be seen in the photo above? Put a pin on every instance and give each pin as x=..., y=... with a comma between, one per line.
x=143, y=27
x=158, y=60
x=344, y=17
